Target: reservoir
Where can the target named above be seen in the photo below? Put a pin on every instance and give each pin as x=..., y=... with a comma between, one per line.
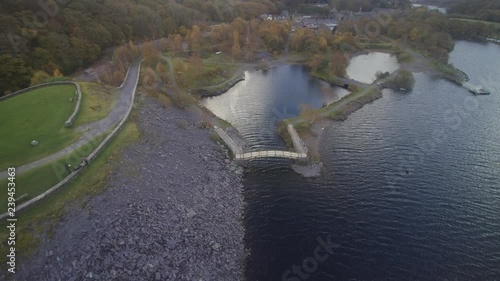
x=364, y=68
x=255, y=105
x=410, y=188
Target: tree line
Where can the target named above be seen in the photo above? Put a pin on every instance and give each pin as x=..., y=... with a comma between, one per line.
x=488, y=10
x=58, y=37
x=434, y=33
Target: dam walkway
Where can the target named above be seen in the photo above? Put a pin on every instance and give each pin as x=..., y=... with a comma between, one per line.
x=299, y=154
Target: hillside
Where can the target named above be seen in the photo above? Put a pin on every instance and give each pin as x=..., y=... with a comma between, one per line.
x=61, y=37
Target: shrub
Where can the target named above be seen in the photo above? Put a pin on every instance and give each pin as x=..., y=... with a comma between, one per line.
x=57, y=79
x=164, y=100
x=381, y=75
x=182, y=100
x=264, y=65
x=39, y=77
x=403, y=80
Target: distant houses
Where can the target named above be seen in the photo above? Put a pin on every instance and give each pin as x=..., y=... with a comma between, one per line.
x=330, y=22
x=340, y=16
x=282, y=16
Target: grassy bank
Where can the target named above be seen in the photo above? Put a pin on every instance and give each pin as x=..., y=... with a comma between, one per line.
x=491, y=23
x=38, y=180
x=40, y=115
x=97, y=102
x=340, y=110
x=220, y=88
x=38, y=221
x=37, y=115
x=449, y=72
x=334, y=80
x=194, y=74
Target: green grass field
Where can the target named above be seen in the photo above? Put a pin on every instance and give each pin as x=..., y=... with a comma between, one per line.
x=36, y=115
x=35, y=222
x=36, y=181
x=40, y=115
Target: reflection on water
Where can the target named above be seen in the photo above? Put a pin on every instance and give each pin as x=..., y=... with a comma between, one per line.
x=439, y=221
x=410, y=189
x=364, y=68
x=255, y=105
x=489, y=76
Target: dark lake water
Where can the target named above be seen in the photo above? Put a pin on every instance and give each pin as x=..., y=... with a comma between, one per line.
x=410, y=189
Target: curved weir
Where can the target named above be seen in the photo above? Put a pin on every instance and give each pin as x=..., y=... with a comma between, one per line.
x=300, y=153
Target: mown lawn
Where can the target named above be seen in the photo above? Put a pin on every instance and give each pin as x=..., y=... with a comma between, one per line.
x=40, y=219
x=36, y=181
x=40, y=115
x=37, y=115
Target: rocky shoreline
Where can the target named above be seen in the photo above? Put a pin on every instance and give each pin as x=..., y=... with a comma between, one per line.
x=171, y=210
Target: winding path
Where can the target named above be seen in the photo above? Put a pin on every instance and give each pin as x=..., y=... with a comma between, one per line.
x=95, y=129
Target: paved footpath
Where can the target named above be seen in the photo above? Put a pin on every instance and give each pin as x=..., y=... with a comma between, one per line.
x=95, y=129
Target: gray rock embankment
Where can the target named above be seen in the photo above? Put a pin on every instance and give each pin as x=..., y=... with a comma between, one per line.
x=171, y=210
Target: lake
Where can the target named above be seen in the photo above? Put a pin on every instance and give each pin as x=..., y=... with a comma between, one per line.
x=364, y=68
x=410, y=189
x=255, y=105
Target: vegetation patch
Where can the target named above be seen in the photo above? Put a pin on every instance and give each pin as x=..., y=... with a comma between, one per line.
x=332, y=79
x=221, y=88
x=195, y=73
x=401, y=55
x=181, y=99
x=404, y=79
x=449, y=72
x=358, y=101
x=97, y=102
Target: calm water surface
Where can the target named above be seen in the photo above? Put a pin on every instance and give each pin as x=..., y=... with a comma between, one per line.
x=365, y=67
x=410, y=190
x=255, y=105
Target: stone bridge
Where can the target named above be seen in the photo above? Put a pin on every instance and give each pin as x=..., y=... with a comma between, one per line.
x=299, y=154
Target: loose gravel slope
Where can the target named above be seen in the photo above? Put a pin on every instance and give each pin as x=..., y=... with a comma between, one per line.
x=170, y=211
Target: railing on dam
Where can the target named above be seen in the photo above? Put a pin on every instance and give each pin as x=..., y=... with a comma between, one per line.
x=271, y=154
